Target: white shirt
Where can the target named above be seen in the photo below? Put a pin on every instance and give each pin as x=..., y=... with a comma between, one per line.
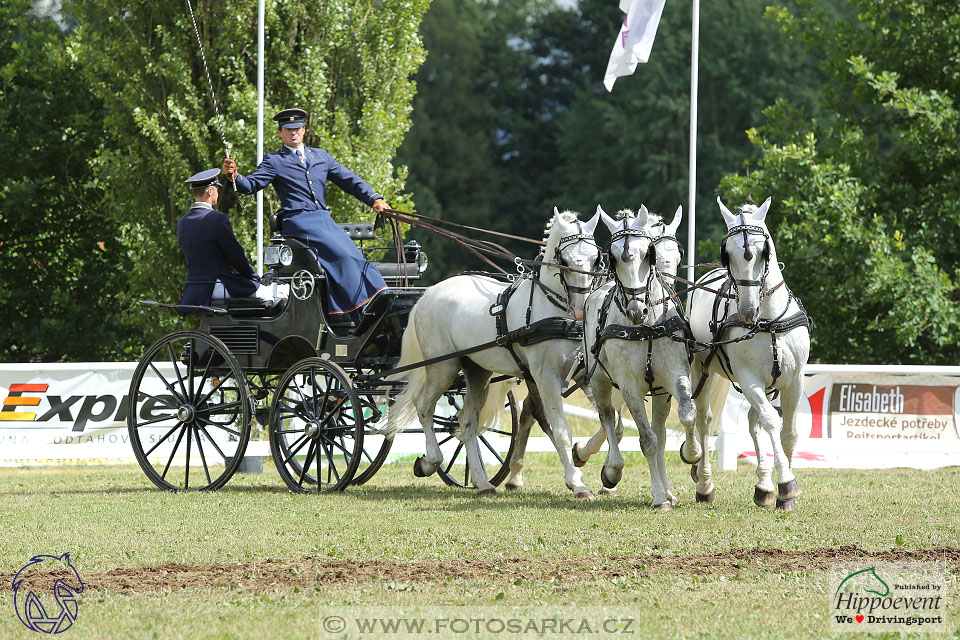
x=202, y=205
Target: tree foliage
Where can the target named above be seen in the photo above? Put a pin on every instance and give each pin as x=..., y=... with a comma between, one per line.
x=512, y=118
x=866, y=201
x=62, y=267
x=124, y=114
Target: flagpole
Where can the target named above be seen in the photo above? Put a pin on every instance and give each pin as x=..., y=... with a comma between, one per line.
x=260, y=39
x=692, y=187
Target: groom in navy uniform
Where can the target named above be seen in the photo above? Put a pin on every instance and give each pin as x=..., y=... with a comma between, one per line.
x=217, y=267
x=299, y=175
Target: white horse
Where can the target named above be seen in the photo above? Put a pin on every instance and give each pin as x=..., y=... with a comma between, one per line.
x=628, y=324
x=761, y=337
x=669, y=255
x=459, y=313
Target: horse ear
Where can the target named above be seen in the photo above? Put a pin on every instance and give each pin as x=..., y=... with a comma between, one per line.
x=728, y=217
x=642, y=214
x=591, y=225
x=761, y=213
x=671, y=229
x=608, y=222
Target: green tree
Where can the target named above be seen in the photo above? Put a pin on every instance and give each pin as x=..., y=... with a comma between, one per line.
x=512, y=118
x=865, y=208
x=348, y=62
x=62, y=267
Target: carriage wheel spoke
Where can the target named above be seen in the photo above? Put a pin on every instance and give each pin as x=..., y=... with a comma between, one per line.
x=176, y=369
x=224, y=427
x=195, y=391
x=492, y=450
x=302, y=441
x=216, y=387
x=164, y=401
x=500, y=432
x=446, y=440
x=213, y=442
x=164, y=381
x=303, y=400
x=466, y=472
x=203, y=458
x=186, y=478
x=286, y=431
x=330, y=465
x=453, y=458
x=165, y=436
x=172, y=453
x=155, y=420
x=339, y=446
x=306, y=465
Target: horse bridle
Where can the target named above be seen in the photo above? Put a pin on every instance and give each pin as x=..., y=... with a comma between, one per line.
x=626, y=294
x=596, y=270
x=748, y=230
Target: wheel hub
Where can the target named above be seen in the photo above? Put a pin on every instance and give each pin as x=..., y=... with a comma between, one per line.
x=186, y=413
x=313, y=430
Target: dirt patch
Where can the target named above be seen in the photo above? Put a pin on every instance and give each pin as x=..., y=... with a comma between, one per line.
x=309, y=572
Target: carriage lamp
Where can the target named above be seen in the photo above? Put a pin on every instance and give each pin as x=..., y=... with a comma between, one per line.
x=278, y=255
x=412, y=253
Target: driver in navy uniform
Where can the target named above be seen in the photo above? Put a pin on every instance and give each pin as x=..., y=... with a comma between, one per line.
x=217, y=267
x=299, y=175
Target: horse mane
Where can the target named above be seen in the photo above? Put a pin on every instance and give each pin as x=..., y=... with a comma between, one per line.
x=747, y=209
x=566, y=216
x=625, y=213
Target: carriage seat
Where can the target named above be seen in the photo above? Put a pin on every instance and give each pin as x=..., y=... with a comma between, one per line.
x=250, y=307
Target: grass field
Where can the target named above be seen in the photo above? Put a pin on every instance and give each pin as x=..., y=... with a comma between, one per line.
x=255, y=561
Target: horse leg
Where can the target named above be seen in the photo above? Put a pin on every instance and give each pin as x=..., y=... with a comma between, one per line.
x=553, y=409
x=478, y=386
x=788, y=492
x=709, y=412
x=437, y=380
x=583, y=451
x=649, y=446
x=769, y=420
x=660, y=411
x=763, y=495
x=515, y=480
x=612, y=469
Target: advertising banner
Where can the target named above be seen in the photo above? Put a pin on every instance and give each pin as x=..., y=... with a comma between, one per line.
x=849, y=418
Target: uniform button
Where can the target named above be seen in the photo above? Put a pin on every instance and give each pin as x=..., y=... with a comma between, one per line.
x=310, y=181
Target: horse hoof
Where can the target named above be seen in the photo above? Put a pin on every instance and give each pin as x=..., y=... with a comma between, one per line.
x=763, y=498
x=694, y=474
x=682, y=445
x=610, y=477
x=575, y=452
x=786, y=505
x=663, y=506
x=420, y=467
x=673, y=499
x=789, y=490
x=514, y=488
x=584, y=494
x=707, y=497
x=612, y=492
x=492, y=491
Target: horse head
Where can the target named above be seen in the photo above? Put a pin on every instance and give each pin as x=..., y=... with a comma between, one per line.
x=632, y=260
x=575, y=257
x=747, y=253
x=669, y=253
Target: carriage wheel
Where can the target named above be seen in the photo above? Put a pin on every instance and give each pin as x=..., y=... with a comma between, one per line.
x=316, y=427
x=455, y=470
x=189, y=407
x=376, y=446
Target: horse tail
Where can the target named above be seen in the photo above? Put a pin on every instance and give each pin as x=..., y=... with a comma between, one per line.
x=718, y=400
x=492, y=409
x=403, y=411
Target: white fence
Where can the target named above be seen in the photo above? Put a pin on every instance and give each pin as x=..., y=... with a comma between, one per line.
x=851, y=416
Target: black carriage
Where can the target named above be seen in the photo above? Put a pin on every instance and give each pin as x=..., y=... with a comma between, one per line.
x=313, y=381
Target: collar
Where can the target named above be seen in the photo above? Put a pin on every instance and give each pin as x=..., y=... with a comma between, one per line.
x=294, y=150
x=202, y=205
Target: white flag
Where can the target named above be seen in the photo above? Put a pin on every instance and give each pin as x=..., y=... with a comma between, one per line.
x=635, y=39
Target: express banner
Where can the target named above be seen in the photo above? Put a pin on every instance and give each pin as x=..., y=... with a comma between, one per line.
x=865, y=420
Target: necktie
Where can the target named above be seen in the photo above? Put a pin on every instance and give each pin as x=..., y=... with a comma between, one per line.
x=300, y=156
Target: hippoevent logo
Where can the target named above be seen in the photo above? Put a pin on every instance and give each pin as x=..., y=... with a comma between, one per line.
x=45, y=593
x=889, y=597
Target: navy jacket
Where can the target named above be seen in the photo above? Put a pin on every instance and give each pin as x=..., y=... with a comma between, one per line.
x=207, y=241
x=303, y=187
